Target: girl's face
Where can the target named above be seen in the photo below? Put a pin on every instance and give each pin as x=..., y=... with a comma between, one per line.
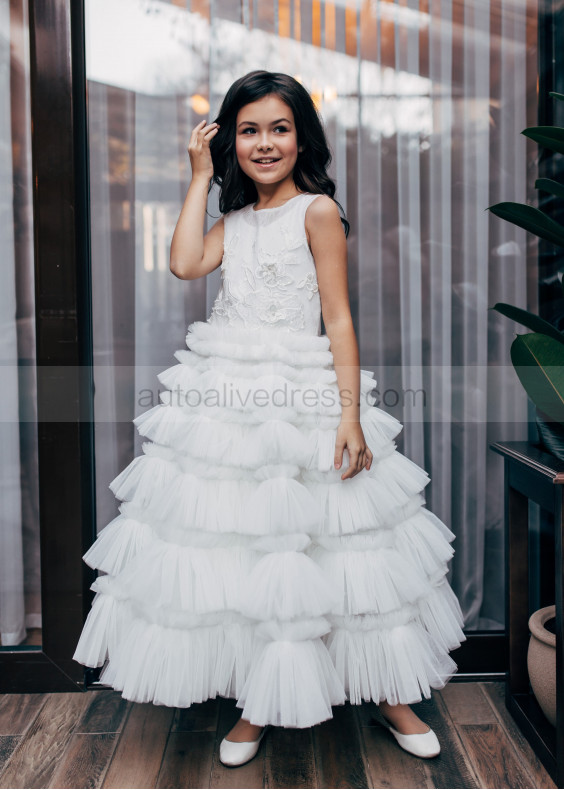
x=266, y=141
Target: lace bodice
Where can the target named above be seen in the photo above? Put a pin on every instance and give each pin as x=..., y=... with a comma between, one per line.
x=268, y=275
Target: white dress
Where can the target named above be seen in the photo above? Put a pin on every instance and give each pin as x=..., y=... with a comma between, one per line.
x=241, y=565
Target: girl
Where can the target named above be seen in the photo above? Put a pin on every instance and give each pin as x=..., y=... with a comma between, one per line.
x=245, y=562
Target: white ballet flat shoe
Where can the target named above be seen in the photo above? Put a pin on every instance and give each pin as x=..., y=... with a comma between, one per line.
x=421, y=744
x=232, y=753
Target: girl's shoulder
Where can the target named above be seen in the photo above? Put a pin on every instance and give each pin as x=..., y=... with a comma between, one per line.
x=321, y=206
x=321, y=213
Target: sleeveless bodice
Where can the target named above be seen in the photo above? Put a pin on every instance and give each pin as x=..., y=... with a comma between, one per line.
x=268, y=276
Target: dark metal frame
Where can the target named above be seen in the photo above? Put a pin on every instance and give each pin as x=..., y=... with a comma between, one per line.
x=64, y=346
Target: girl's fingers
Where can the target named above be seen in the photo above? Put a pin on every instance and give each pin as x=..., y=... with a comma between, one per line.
x=197, y=128
x=201, y=128
x=200, y=139
x=358, y=463
x=360, y=458
x=204, y=135
x=350, y=471
x=205, y=129
x=195, y=131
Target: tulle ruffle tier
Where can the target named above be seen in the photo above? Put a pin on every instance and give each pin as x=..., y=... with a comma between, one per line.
x=241, y=564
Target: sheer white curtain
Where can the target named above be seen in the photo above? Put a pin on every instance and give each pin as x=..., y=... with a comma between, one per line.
x=20, y=601
x=423, y=105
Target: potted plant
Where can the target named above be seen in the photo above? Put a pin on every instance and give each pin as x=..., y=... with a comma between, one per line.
x=541, y=659
x=538, y=357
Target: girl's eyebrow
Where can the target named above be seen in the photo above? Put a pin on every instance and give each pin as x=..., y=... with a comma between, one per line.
x=252, y=123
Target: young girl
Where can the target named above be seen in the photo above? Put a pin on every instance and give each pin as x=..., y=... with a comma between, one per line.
x=272, y=544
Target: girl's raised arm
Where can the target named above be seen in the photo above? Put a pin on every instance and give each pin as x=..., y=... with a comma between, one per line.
x=192, y=254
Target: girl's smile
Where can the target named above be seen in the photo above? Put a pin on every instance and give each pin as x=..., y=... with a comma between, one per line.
x=264, y=163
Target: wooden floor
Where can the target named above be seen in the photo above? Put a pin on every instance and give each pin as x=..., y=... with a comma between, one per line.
x=97, y=739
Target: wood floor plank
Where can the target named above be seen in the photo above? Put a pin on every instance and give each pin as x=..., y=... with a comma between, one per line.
x=18, y=711
x=466, y=703
x=452, y=767
x=338, y=746
x=187, y=760
x=106, y=712
x=493, y=757
x=200, y=717
x=290, y=758
x=85, y=761
x=136, y=761
x=495, y=694
x=35, y=758
x=251, y=775
x=8, y=744
x=386, y=766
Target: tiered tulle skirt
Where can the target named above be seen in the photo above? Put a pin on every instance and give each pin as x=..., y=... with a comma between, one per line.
x=241, y=565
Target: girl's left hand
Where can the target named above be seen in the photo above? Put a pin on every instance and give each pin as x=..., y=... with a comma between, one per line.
x=351, y=436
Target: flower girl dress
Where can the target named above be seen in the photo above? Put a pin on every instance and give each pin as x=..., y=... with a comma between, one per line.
x=241, y=564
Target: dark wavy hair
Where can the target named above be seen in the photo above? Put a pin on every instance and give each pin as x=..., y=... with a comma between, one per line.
x=310, y=171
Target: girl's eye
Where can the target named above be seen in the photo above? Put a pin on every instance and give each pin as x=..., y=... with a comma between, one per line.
x=250, y=129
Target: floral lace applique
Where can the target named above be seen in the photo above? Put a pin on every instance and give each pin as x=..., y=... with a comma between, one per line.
x=273, y=274
x=310, y=282
x=285, y=311
x=225, y=305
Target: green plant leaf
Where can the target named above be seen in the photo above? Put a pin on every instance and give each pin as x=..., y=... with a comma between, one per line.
x=539, y=362
x=530, y=320
x=549, y=185
x=556, y=95
x=562, y=285
x=551, y=137
x=531, y=219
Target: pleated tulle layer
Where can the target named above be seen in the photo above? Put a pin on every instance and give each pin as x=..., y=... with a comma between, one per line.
x=240, y=563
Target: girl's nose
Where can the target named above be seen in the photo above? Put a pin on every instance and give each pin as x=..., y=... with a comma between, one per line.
x=264, y=142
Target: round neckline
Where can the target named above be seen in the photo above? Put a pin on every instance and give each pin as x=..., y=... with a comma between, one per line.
x=273, y=208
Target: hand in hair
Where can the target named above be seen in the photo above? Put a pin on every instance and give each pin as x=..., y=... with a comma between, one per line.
x=199, y=149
